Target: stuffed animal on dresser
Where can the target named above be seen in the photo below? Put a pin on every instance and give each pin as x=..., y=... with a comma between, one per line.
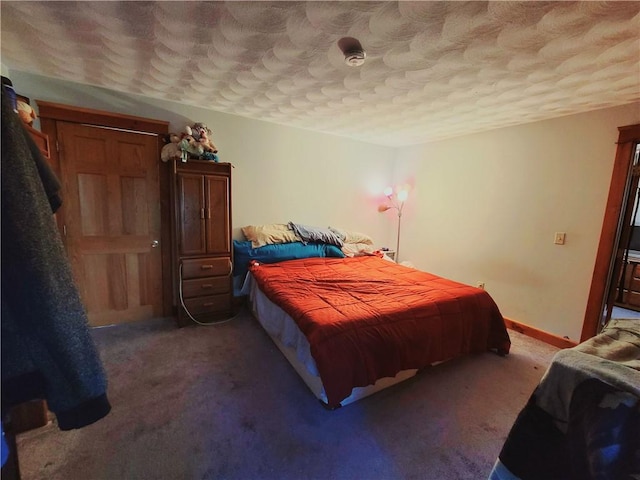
x=202, y=134
x=172, y=149
x=191, y=147
x=26, y=112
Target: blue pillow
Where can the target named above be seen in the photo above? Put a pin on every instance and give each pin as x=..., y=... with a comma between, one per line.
x=243, y=253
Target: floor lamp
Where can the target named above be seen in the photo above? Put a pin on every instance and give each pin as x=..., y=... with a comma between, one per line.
x=396, y=202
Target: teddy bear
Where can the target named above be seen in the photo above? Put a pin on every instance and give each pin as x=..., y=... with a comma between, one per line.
x=172, y=149
x=190, y=147
x=202, y=134
x=210, y=150
x=26, y=112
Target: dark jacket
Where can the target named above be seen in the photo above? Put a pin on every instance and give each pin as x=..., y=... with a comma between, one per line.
x=47, y=349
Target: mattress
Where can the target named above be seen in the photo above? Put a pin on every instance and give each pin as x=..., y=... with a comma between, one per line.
x=363, y=319
x=294, y=346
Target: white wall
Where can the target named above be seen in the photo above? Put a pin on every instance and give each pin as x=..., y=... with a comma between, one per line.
x=281, y=174
x=485, y=208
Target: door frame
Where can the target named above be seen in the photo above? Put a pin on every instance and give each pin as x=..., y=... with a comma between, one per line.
x=601, y=282
x=51, y=113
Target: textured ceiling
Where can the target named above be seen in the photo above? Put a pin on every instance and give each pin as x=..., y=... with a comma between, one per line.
x=433, y=70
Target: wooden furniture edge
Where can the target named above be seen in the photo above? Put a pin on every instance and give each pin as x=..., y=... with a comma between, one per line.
x=627, y=135
x=69, y=113
x=538, y=334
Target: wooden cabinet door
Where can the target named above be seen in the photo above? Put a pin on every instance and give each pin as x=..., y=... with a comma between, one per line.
x=112, y=221
x=191, y=213
x=203, y=214
x=217, y=226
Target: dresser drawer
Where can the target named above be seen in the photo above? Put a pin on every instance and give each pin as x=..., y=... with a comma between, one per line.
x=206, y=267
x=209, y=304
x=205, y=286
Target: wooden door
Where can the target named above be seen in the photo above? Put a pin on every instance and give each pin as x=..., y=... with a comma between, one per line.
x=621, y=289
x=602, y=280
x=111, y=203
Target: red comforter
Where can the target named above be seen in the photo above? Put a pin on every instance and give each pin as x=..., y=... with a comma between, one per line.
x=367, y=318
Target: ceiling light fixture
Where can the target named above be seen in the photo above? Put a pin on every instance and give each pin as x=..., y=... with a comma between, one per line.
x=354, y=54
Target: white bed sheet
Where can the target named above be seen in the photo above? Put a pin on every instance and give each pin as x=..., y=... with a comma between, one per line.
x=280, y=325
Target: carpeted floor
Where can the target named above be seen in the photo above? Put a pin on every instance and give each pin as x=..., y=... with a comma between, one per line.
x=221, y=402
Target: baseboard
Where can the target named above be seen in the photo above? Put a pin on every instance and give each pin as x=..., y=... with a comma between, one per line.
x=541, y=335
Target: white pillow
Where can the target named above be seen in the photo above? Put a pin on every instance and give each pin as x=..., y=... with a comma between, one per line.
x=352, y=237
x=357, y=249
x=261, y=235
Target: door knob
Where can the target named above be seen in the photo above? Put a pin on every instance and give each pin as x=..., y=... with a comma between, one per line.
x=155, y=243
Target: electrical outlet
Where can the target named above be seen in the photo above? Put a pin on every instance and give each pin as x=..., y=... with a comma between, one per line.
x=480, y=285
x=560, y=238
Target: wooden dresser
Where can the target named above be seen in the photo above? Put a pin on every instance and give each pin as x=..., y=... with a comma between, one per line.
x=629, y=298
x=201, y=231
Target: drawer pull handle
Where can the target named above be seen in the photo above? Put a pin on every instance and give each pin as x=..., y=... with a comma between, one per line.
x=206, y=267
x=206, y=285
x=208, y=304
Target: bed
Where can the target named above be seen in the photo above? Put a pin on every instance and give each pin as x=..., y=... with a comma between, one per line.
x=354, y=325
x=583, y=419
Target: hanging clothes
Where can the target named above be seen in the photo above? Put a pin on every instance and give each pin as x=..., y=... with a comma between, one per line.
x=47, y=349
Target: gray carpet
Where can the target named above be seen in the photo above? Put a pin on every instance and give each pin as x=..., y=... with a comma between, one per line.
x=222, y=402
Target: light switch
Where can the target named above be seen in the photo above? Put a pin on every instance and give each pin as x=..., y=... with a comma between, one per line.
x=560, y=238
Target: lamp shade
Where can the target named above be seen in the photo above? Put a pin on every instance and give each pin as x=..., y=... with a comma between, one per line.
x=396, y=202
